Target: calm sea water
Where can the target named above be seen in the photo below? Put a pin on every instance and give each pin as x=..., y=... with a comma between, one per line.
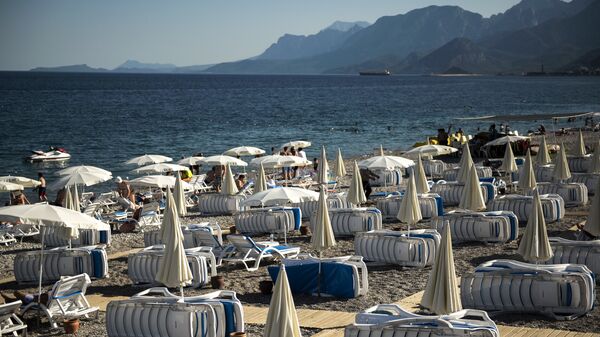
x=105, y=119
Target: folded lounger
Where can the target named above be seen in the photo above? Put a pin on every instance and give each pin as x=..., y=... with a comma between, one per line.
x=482, y=171
x=10, y=323
x=574, y=194
x=143, y=266
x=391, y=247
x=6, y=238
x=562, y=291
x=431, y=205
x=387, y=178
x=192, y=235
x=272, y=220
x=219, y=204
x=467, y=226
x=349, y=221
x=434, y=167
x=390, y=320
x=61, y=261
x=552, y=205
x=451, y=192
x=54, y=237
x=20, y=231
x=344, y=277
x=543, y=173
x=156, y=312
x=307, y=208
x=577, y=252
x=245, y=250
x=579, y=164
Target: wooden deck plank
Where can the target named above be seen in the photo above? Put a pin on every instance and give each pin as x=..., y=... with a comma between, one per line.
x=330, y=333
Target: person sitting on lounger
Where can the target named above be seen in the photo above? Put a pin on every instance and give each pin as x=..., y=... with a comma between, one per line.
x=19, y=198
x=240, y=182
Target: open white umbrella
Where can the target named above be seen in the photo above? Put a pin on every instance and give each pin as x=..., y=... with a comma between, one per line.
x=244, y=151
x=280, y=196
x=278, y=161
x=527, y=180
x=25, y=182
x=472, y=198
x=179, y=196
x=592, y=225
x=543, y=156
x=356, y=193
x=509, y=165
x=228, y=186
x=420, y=177
x=464, y=165
x=82, y=168
x=441, y=295
x=282, y=319
x=594, y=166
x=158, y=181
x=148, y=159
x=160, y=168
x=383, y=162
x=297, y=144
x=260, y=184
x=505, y=140
x=340, y=168
x=222, y=160
x=190, y=161
x=534, y=246
x=6, y=186
x=323, y=174
x=79, y=179
x=174, y=269
x=561, y=166
x=430, y=150
x=580, y=149
x=410, y=211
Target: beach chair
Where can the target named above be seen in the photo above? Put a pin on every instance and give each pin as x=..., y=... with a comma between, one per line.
x=61, y=261
x=156, y=312
x=66, y=300
x=22, y=231
x=344, y=277
x=150, y=216
x=590, y=180
x=219, y=204
x=489, y=227
x=152, y=238
x=6, y=238
x=398, y=248
x=387, y=178
x=561, y=291
x=434, y=167
x=577, y=252
x=574, y=194
x=271, y=220
x=307, y=208
x=54, y=237
x=349, y=221
x=199, y=184
x=451, y=174
x=553, y=206
x=390, y=320
x=10, y=323
x=431, y=205
x=451, y=192
x=579, y=164
x=246, y=251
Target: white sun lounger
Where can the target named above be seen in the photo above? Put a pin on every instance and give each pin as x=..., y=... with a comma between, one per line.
x=54, y=237
x=431, y=205
x=190, y=235
x=6, y=238
x=333, y=201
x=561, y=291
x=66, y=300
x=219, y=204
x=10, y=323
x=271, y=220
x=20, y=231
x=579, y=164
x=387, y=178
x=142, y=267
x=577, y=252
x=543, y=173
x=451, y=192
x=349, y=221
x=482, y=172
x=390, y=320
x=61, y=261
x=158, y=313
x=397, y=248
x=574, y=194
x=553, y=206
x=245, y=250
x=467, y=226
x=434, y=167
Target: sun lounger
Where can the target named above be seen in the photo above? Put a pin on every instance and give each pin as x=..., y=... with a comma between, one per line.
x=219, y=204
x=577, y=252
x=6, y=238
x=143, y=266
x=10, y=323
x=190, y=233
x=561, y=291
x=344, y=277
x=579, y=164
x=398, y=248
x=349, y=221
x=451, y=192
x=387, y=178
x=590, y=180
x=390, y=320
x=245, y=250
x=482, y=172
x=21, y=231
x=467, y=226
x=574, y=194
x=66, y=300
x=156, y=312
x=61, y=261
x=553, y=206
x=431, y=205
x=333, y=201
x=434, y=167
x=54, y=237
x=272, y=220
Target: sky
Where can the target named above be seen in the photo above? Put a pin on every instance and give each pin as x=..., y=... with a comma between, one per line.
x=106, y=33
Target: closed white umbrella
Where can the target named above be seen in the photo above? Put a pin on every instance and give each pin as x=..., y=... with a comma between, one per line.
x=527, y=180
x=282, y=319
x=594, y=166
x=543, y=156
x=356, y=193
x=592, y=224
x=228, y=186
x=160, y=168
x=75, y=199
x=340, y=168
x=420, y=177
x=323, y=237
x=79, y=179
x=174, y=270
x=580, y=149
x=25, y=182
x=158, y=181
x=190, y=161
x=430, y=150
x=441, y=295
x=472, y=198
x=179, y=196
x=260, y=184
x=83, y=168
x=279, y=161
x=534, y=246
x=244, y=151
x=222, y=160
x=410, y=211
x=509, y=165
x=464, y=165
x=297, y=144
x=323, y=174
x=561, y=166
x=6, y=186
x=68, y=201
x=148, y=159
x=280, y=196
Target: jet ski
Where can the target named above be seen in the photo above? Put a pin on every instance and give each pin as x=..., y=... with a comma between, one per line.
x=53, y=155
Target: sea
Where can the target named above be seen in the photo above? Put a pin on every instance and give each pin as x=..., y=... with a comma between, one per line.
x=106, y=119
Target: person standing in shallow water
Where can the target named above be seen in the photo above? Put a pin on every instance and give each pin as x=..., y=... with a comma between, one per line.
x=42, y=188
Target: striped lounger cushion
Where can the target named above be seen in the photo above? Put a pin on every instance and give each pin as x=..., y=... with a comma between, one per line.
x=431, y=206
x=55, y=237
x=392, y=247
x=552, y=205
x=190, y=233
x=451, y=192
x=574, y=194
x=434, y=167
x=577, y=252
x=216, y=203
x=216, y=314
x=268, y=220
x=501, y=226
x=482, y=171
x=387, y=178
x=61, y=262
x=561, y=291
x=307, y=208
x=590, y=180
x=349, y=221
x=579, y=164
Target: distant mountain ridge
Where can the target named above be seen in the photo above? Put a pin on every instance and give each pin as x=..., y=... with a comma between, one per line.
x=129, y=66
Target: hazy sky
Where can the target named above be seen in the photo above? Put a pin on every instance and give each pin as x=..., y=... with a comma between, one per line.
x=105, y=33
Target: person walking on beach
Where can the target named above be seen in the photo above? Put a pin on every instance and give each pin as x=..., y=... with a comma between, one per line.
x=42, y=188
x=367, y=175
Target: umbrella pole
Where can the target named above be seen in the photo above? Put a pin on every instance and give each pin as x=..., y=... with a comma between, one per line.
x=319, y=277
x=181, y=290
x=42, y=230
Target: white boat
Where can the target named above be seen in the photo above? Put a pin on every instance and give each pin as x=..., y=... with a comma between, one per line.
x=54, y=155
